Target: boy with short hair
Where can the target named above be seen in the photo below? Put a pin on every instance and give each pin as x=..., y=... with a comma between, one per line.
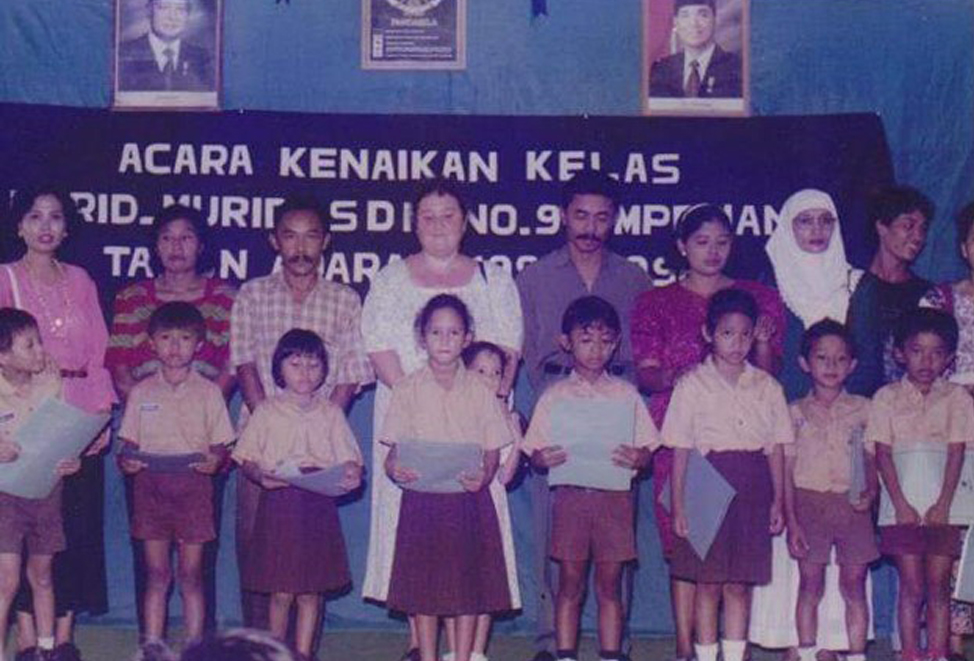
x=922, y=410
x=176, y=411
x=24, y=384
x=818, y=476
x=594, y=525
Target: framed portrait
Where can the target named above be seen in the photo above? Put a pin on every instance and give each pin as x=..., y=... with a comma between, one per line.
x=414, y=34
x=695, y=57
x=167, y=54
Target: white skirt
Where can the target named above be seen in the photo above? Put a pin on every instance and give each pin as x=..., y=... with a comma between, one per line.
x=773, y=605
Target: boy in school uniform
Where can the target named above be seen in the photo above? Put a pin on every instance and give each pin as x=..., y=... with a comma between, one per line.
x=818, y=476
x=176, y=411
x=24, y=384
x=922, y=410
x=590, y=525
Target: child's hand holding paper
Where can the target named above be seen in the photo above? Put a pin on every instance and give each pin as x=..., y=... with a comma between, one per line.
x=549, y=457
x=67, y=467
x=353, y=476
x=9, y=451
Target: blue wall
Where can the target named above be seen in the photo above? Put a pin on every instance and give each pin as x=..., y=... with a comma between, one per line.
x=910, y=61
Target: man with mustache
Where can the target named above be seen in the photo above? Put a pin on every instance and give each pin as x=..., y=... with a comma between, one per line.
x=266, y=308
x=583, y=266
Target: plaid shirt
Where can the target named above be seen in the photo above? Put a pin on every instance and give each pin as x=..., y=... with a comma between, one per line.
x=265, y=309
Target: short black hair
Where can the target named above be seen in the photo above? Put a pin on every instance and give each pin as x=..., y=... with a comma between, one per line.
x=474, y=349
x=302, y=203
x=440, y=186
x=894, y=201
x=591, y=182
x=238, y=645
x=298, y=342
x=693, y=218
x=590, y=311
x=681, y=3
x=177, y=315
x=826, y=328
x=22, y=202
x=730, y=301
x=965, y=221
x=443, y=302
x=172, y=213
x=926, y=320
x=12, y=322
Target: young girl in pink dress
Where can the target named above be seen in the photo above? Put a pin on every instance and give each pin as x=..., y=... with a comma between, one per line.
x=449, y=559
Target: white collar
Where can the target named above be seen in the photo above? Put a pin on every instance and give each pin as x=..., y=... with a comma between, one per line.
x=158, y=48
x=702, y=60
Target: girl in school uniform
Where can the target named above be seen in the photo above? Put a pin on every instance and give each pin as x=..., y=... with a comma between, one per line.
x=449, y=558
x=298, y=550
x=736, y=416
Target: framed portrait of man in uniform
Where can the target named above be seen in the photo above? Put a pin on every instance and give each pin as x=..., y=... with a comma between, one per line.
x=695, y=57
x=167, y=54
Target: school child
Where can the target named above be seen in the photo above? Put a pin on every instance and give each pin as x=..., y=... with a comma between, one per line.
x=36, y=522
x=590, y=525
x=489, y=362
x=829, y=426
x=922, y=409
x=174, y=412
x=736, y=416
x=298, y=550
x=449, y=557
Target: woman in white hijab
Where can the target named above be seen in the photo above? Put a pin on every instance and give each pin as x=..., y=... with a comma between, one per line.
x=816, y=282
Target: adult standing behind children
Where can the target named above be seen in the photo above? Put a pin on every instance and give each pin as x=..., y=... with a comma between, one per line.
x=667, y=341
x=64, y=300
x=266, y=308
x=398, y=292
x=583, y=266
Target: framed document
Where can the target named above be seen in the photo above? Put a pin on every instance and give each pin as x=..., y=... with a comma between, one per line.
x=167, y=54
x=414, y=34
x=695, y=57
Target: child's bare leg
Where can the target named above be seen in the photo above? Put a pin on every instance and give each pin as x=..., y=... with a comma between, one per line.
x=707, y=605
x=811, y=587
x=450, y=628
x=278, y=613
x=426, y=626
x=9, y=580
x=481, y=634
x=42, y=586
x=938, y=569
x=158, y=578
x=190, y=579
x=64, y=629
x=413, y=633
x=307, y=621
x=26, y=634
x=852, y=585
x=909, y=602
x=465, y=632
x=608, y=597
x=682, y=594
x=568, y=602
x=737, y=609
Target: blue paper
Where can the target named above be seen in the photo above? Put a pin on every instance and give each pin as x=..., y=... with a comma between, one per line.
x=163, y=463
x=920, y=470
x=589, y=430
x=858, y=474
x=707, y=497
x=438, y=465
x=54, y=432
x=325, y=481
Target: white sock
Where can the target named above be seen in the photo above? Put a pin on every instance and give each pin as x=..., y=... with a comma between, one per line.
x=449, y=656
x=706, y=652
x=477, y=656
x=808, y=653
x=45, y=642
x=733, y=649
x=855, y=657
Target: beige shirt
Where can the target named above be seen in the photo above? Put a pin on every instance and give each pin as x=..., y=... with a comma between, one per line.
x=423, y=410
x=712, y=415
x=539, y=435
x=164, y=419
x=18, y=403
x=280, y=430
x=902, y=416
x=824, y=439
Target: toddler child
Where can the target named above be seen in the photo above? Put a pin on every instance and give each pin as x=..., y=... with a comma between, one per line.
x=829, y=426
x=590, y=525
x=736, y=416
x=298, y=550
x=24, y=384
x=922, y=409
x=174, y=412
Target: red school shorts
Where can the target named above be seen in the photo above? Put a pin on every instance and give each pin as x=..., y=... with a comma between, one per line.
x=592, y=524
x=173, y=506
x=36, y=521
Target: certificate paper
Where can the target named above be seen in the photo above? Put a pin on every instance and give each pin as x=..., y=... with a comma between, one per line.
x=56, y=431
x=707, y=495
x=589, y=430
x=325, y=481
x=964, y=585
x=163, y=463
x=438, y=465
x=920, y=470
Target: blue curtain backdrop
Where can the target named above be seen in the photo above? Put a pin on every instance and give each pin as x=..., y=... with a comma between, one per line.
x=911, y=61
